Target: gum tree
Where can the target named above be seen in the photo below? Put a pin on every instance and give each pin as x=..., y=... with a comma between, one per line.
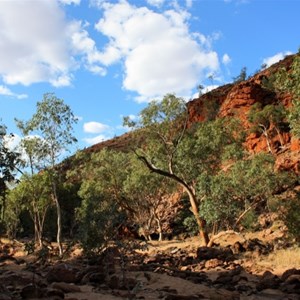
x=172, y=150
x=53, y=124
x=9, y=164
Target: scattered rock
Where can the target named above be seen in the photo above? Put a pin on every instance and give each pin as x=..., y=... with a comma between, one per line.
x=31, y=291
x=66, y=287
x=63, y=273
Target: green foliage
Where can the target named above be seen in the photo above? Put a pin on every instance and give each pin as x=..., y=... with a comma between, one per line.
x=249, y=221
x=190, y=225
x=288, y=81
x=98, y=218
x=29, y=247
x=294, y=117
x=292, y=217
x=268, y=120
x=242, y=76
x=247, y=185
x=261, y=116
x=9, y=160
x=53, y=123
x=179, y=153
x=32, y=194
x=120, y=182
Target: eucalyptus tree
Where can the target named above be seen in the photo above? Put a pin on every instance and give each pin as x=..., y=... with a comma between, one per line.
x=288, y=81
x=9, y=164
x=177, y=152
x=118, y=189
x=231, y=194
x=266, y=118
x=103, y=200
x=53, y=124
x=32, y=194
x=148, y=193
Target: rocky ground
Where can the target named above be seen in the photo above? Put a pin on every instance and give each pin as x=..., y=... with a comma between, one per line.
x=262, y=265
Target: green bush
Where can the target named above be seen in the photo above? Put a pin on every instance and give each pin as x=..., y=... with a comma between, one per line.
x=292, y=217
x=249, y=221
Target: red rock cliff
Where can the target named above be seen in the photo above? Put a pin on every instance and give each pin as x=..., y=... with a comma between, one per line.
x=236, y=100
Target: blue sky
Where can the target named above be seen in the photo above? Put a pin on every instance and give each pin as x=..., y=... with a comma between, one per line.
x=108, y=58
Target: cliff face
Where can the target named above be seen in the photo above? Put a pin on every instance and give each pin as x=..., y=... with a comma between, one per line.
x=236, y=100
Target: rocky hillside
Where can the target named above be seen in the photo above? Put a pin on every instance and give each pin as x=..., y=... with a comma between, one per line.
x=236, y=100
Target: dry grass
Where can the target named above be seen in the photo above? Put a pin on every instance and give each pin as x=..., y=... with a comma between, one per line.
x=279, y=261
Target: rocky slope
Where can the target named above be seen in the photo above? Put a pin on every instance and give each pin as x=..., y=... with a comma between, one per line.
x=236, y=100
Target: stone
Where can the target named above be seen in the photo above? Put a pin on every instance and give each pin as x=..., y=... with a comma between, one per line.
x=63, y=273
x=288, y=273
x=182, y=297
x=213, y=263
x=66, y=287
x=31, y=291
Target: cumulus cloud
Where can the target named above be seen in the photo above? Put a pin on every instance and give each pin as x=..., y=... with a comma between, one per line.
x=159, y=57
x=275, y=58
x=226, y=59
x=94, y=127
x=41, y=45
x=7, y=92
x=33, y=46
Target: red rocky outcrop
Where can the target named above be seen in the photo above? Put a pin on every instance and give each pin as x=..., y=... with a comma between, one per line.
x=236, y=100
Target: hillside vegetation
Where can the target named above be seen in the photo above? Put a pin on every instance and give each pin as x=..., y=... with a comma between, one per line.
x=216, y=163
x=200, y=200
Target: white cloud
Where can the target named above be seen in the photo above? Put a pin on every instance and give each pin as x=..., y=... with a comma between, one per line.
x=12, y=141
x=94, y=127
x=97, y=139
x=189, y=3
x=41, y=45
x=7, y=92
x=68, y=2
x=63, y=80
x=275, y=58
x=157, y=3
x=226, y=59
x=33, y=44
x=161, y=56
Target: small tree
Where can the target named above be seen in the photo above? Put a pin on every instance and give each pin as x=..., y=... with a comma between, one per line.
x=53, y=123
x=33, y=193
x=245, y=186
x=9, y=163
x=288, y=81
x=266, y=118
x=242, y=76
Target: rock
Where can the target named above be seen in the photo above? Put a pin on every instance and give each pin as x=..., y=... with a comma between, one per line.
x=288, y=273
x=63, y=273
x=114, y=282
x=97, y=277
x=268, y=281
x=4, y=296
x=237, y=248
x=206, y=253
x=213, y=263
x=267, y=294
x=54, y=294
x=182, y=297
x=66, y=287
x=31, y=291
